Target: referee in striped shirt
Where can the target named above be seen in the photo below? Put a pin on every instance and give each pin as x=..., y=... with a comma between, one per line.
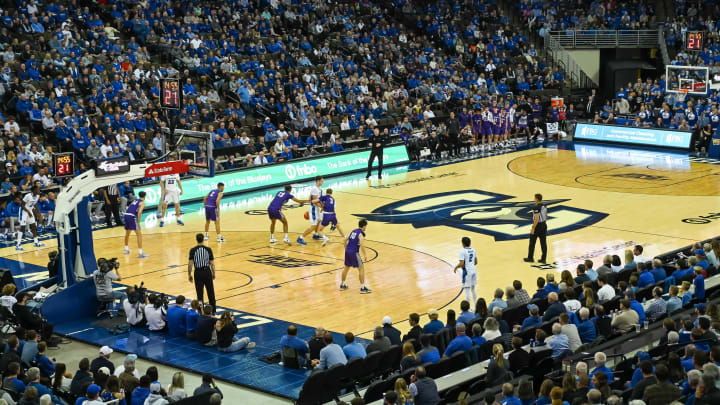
x=112, y=205
x=538, y=230
x=201, y=257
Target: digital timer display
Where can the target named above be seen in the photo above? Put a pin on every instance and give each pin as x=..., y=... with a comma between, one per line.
x=694, y=41
x=170, y=94
x=64, y=164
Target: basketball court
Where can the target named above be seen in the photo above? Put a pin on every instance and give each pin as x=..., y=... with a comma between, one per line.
x=601, y=200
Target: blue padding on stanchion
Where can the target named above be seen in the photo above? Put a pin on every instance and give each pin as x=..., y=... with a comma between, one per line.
x=75, y=302
x=84, y=231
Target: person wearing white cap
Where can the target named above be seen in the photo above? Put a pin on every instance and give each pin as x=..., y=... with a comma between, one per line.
x=391, y=332
x=121, y=368
x=103, y=360
x=155, y=397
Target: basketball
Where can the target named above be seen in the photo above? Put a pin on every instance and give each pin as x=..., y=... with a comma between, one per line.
x=307, y=216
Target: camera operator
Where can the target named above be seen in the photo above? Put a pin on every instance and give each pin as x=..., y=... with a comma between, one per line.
x=107, y=272
x=53, y=264
x=29, y=320
x=156, y=313
x=134, y=306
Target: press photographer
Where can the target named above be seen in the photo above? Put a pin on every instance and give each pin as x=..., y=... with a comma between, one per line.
x=107, y=272
x=156, y=312
x=134, y=305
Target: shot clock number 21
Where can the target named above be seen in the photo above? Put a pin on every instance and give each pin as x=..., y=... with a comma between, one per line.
x=170, y=94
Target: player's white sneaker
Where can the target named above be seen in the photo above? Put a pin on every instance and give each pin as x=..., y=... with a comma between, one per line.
x=39, y=244
x=207, y=237
x=127, y=251
x=221, y=240
x=19, y=248
x=286, y=240
x=273, y=240
x=343, y=287
x=325, y=240
x=143, y=255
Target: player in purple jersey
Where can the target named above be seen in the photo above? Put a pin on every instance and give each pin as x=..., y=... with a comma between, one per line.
x=486, y=132
x=354, y=244
x=329, y=215
x=211, y=202
x=132, y=223
x=275, y=214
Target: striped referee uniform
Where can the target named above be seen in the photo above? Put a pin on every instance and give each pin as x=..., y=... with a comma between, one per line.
x=540, y=232
x=112, y=209
x=201, y=257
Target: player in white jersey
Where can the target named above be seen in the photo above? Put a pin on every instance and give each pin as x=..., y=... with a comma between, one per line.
x=467, y=262
x=314, y=212
x=172, y=190
x=27, y=217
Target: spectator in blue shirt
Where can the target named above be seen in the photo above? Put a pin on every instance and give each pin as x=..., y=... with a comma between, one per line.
x=646, y=278
x=497, y=301
x=461, y=342
x=541, y=291
x=550, y=286
x=600, y=359
x=508, y=397
x=33, y=376
x=586, y=328
x=477, y=338
x=177, y=318
x=46, y=366
x=193, y=315
x=658, y=271
x=6, y=185
x=701, y=259
x=337, y=146
x=674, y=302
x=434, y=325
x=429, y=353
x=534, y=319
x=554, y=309
x=558, y=342
x=330, y=355
x=465, y=314
x=11, y=374
x=352, y=348
x=291, y=340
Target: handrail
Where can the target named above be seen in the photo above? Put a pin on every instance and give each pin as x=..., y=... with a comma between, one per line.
x=561, y=57
x=663, y=45
x=606, y=38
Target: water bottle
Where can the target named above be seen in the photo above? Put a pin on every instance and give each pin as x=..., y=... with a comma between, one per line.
x=532, y=342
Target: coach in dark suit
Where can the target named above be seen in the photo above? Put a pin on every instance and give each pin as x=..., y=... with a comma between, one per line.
x=377, y=142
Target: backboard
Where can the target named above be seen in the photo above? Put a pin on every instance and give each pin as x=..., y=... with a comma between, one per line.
x=194, y=147
x=693, y=79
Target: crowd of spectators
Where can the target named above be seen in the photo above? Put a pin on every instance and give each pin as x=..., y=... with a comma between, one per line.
x=596, y=304
x=30, y=376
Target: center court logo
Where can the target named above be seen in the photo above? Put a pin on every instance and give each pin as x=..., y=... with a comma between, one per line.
x=482, y=212
x=292, y=171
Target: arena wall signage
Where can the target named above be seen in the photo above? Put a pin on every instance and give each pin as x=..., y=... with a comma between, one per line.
x=633, y=136
x=295, y=171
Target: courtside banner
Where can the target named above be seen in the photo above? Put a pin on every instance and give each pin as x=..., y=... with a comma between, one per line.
x=634, y=136
x=294, y=171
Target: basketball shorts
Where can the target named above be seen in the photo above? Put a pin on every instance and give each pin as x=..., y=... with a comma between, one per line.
x=328, y=218
x=211, y=214
x=315, y=215
x=275, y=214
x=352, y=259
x=172, y=197
x=469, y=279
x=130, y=222
x=26, y=219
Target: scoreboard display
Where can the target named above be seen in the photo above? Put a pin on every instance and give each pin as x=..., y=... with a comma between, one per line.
x=64, y=164
x=170, y=94
x=694, y=41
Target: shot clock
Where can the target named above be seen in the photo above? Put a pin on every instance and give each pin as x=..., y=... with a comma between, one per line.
x=170, y=94
x=64, y=164
x=694, y=41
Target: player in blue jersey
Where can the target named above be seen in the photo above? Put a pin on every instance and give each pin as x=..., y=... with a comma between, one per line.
x=131, y=219
x=354, y=245
x=329, y=216
x=275, y=214
x=467, y=262
x=211, y=202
